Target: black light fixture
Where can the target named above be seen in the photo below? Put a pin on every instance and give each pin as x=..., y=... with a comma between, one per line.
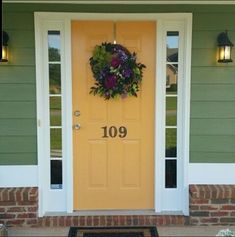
x=5, y=39
x=225, y=48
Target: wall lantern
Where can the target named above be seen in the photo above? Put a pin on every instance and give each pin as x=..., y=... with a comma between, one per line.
x=5, y=39
x=225, y=48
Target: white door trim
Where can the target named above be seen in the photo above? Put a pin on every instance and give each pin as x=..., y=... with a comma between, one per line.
x=42, y=19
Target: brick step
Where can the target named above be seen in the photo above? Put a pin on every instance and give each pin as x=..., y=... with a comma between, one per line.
x=109, y=221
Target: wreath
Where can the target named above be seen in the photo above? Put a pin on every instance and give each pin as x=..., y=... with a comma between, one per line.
x=116, y=71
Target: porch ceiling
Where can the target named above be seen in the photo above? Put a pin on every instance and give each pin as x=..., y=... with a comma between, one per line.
x=227, y=2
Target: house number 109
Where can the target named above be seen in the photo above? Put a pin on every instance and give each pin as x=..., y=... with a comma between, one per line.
x=114, y=131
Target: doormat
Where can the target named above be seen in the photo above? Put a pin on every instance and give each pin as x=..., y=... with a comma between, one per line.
x=113, y=232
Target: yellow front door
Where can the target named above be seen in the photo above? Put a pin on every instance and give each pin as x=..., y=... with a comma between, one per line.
x=113, y=172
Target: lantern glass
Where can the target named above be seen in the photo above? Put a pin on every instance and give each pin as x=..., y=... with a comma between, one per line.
x=225, y=54
x=4, y=54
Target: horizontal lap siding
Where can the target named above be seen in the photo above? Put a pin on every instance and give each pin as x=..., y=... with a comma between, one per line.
x=213, y=98
x=18, y=93
x=212, y=91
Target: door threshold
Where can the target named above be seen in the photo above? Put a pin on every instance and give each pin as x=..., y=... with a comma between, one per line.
x=114, y=213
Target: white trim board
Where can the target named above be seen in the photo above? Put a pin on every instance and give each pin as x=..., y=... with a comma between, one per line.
x=140, y=2
x=49, y=20
x=18, y=176
x=211, y=173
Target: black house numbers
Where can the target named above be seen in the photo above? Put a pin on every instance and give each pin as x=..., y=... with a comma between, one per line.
x=113, y=131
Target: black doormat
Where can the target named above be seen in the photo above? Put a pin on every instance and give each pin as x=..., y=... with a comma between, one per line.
x=113, y=232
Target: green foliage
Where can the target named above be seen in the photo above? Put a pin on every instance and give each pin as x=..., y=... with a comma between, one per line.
x=116, y=71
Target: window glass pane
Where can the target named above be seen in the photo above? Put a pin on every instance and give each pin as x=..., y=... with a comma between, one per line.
x=171, y=78
x=171, y=138
x=55, y=78
x=56, y=142
x=56, y=174
x=54, y=46
x=171, y=111
x=171, y=174
x=55, y=111
x=172, y=46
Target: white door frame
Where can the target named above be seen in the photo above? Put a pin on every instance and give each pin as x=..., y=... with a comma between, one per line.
x=62, y=21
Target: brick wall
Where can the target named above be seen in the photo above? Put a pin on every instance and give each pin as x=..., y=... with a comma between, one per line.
x=209, y=205
x=212, y=204
x=18, y=206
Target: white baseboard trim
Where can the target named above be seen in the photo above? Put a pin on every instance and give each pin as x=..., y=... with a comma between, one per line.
x=18, y=176
x=199, y=173
x=211, y=173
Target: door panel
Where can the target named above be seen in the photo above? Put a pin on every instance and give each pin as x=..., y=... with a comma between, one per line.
x=113, y=173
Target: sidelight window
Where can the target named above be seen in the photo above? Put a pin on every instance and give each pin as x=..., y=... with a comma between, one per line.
x=171, y=108
x=55, y=109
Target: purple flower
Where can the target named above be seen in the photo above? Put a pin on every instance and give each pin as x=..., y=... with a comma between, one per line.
x=122, y=55
x=127, y=72
x=110, y=82
x=115, y=62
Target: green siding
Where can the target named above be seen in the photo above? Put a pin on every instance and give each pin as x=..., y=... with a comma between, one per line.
x=212, y=133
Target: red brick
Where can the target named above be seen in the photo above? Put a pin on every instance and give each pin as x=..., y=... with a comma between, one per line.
x=7, y=216
x=207, y=192
x=33, y=191
x=220, y=213
x=200, y=201
x=194, y=221
x=214, y=191
x=11, y=194
x=82, y=221
x=193, y=190
x=209, y=220
x=141, y=220
x=122, y=220
x=135, y=220
x=102, y=220
x=7, y=203
x=18, y=195
x=228, y=207
x=68, y=221
x=16, y=209
x=40, y=222
x=209, y=207
x=75, y=221
x=55, y=221
x=32, y=222
x=194, y=207
x=26, y=215
x=147, y=220
x=32, y=209
x=15, y=222
x=2, y=209
x=5, y=196
x=220, y=191
x=33, y=198
x=129, y=220
x=115, y=220
x=227, y=220
x=26, y=203
x=48, y=222
x=159, y=221
x=109, y=221
x=96, y=221
x=88, y=221
x=168, y=220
